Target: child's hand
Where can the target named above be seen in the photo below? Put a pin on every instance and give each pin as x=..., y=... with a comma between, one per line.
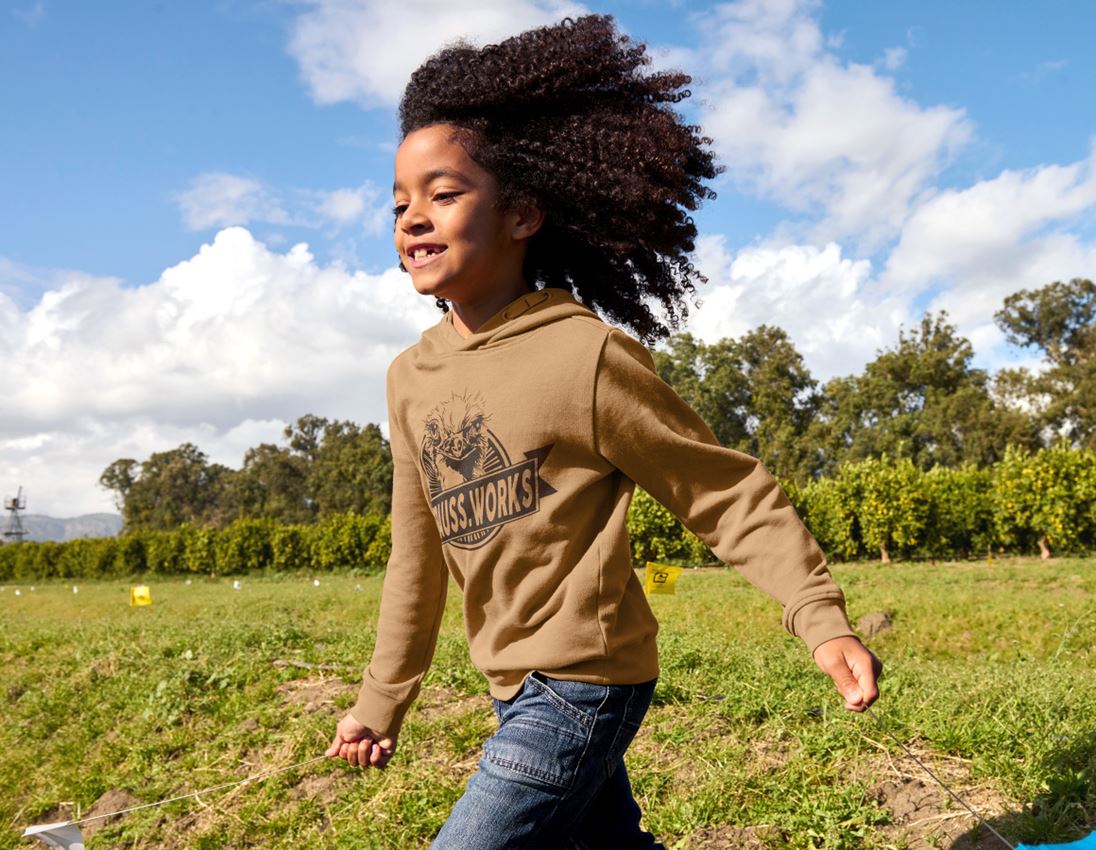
x=360, y=745
x=853, y=668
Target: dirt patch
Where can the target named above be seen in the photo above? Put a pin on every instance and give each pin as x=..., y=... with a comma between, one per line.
x=872, y=624
x=434, y=702
x=923, y=814
x=313, y=694
x=112, y=801
x=732, y=838
x=322, y=787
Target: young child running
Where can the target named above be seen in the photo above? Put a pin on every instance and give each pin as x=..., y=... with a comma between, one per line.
x=541, y=183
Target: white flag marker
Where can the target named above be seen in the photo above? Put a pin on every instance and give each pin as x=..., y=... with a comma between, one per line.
x=62, y=836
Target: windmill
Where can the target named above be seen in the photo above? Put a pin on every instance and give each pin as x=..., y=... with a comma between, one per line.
x=13, y=504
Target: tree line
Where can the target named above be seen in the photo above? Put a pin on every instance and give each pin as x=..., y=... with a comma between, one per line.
x=326, y=468
x=920, y=401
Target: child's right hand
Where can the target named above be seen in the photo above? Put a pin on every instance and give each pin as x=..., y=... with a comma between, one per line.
x=360, y=745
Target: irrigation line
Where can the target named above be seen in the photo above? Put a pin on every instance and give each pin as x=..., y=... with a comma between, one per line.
x=939, y=781
x=264, y=775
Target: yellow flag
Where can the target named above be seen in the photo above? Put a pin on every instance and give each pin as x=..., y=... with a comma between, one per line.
x=660, y=578
x=139, y=594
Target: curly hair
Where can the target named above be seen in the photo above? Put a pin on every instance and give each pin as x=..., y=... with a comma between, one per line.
x=565, y=117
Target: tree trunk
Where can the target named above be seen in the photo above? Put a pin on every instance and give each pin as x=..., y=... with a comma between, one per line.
x=1044, y=550
x=883, y=554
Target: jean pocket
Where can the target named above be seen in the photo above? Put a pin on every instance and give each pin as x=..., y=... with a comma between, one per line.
x=581, y=702
x=538, y=752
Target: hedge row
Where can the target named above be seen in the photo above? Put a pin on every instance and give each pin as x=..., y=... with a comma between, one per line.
x=1029, y=502
x=345, y=541
x=1043, y=501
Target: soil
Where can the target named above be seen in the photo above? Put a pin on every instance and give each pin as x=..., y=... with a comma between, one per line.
x=112, y=801
x=314, y=694
x=923, y=814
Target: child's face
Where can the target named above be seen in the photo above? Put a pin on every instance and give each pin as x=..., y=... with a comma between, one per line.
x=450, y=235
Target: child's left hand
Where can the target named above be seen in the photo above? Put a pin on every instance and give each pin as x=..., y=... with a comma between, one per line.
x=853, y=668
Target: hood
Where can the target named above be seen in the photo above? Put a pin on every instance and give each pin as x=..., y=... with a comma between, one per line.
x=519, y=317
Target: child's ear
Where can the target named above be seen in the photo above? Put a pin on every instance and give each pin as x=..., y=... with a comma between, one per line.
x=525, y=220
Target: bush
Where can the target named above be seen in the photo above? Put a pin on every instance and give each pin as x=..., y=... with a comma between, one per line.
x=1046, y=499
x=657, y=535
x=960, y=512
x=245, y=546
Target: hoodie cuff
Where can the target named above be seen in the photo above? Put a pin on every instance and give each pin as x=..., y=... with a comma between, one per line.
x=379, y=711
x=819, y=621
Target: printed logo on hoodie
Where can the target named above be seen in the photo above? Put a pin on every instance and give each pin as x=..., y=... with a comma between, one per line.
x=475, y=489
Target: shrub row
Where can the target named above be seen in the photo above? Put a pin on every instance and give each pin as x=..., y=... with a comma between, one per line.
x=1029, y=502
x=344, y=541
x=1043, y=501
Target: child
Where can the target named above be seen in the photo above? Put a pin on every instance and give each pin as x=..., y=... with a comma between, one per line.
x=539, y=180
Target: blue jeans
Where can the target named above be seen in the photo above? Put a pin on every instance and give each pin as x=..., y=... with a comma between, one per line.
x=552, y=776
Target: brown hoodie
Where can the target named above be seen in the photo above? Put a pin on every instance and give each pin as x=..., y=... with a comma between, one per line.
x=516, y=451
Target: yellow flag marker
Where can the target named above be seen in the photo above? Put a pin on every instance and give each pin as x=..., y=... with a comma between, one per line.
x=139, y=594
x=660, y=578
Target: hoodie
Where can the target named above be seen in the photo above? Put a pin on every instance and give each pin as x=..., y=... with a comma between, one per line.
x=516, y=451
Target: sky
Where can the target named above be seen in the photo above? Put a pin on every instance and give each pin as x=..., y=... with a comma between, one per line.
x=195, y=235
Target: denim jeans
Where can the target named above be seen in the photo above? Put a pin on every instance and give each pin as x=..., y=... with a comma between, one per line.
x=552, y=777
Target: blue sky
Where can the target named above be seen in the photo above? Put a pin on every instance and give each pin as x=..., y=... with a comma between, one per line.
x=163, y=164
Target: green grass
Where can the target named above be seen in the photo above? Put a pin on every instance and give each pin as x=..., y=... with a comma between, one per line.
x=990, y=677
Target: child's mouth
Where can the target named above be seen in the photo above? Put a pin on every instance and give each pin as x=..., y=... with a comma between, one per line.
x=425, y=256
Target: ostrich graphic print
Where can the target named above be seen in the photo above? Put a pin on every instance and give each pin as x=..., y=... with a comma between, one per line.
x=474, y=487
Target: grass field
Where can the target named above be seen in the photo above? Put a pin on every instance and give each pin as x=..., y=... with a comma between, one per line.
x=991, y=680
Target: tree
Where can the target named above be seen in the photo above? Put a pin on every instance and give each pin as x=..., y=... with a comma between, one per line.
x=921, y=400
x=351, y=471
x=171, y=488
x=273, y=483
x=755, y=394
x=1059, y=319
x=119, y=478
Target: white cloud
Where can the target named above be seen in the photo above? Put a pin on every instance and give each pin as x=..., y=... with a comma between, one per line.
x=222, y=350
x=217, y=199
x=222, y=200
x=366, y=51
x=811, y=292
x=797, y=125
x=894, y=58
x=992, y=230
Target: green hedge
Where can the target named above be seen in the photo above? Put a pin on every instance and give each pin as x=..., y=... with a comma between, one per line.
x=347, y=541
x=1042, y=501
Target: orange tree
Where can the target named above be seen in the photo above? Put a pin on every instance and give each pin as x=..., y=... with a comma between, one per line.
x=1046, y=498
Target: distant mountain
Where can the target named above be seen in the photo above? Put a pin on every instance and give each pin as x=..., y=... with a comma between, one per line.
x=40, y=527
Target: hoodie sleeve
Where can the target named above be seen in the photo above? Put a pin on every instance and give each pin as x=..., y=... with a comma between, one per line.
x=728, y=499
x=412, y=598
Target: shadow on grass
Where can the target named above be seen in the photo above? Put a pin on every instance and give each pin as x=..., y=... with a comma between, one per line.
x=1064, y=814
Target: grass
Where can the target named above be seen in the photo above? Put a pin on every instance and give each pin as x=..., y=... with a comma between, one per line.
x=989, y=679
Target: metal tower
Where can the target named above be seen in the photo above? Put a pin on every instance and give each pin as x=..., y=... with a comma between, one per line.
x=14, y=532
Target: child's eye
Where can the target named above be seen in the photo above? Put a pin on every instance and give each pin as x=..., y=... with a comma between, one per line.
x=445, y=196
x=398, y=209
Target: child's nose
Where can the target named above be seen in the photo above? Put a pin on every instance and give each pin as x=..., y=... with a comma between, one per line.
x=414, y=217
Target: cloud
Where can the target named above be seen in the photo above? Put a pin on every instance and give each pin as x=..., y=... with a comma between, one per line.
x=894, y=58
x=813, y=293
x=217, y=199
x=31, y=15
x=366, y=51
x=992, y=235
x=831, y=139
x=223, y=350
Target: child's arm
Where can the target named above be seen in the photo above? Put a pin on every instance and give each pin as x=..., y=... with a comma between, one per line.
x=730, y=501
x=412, y=602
